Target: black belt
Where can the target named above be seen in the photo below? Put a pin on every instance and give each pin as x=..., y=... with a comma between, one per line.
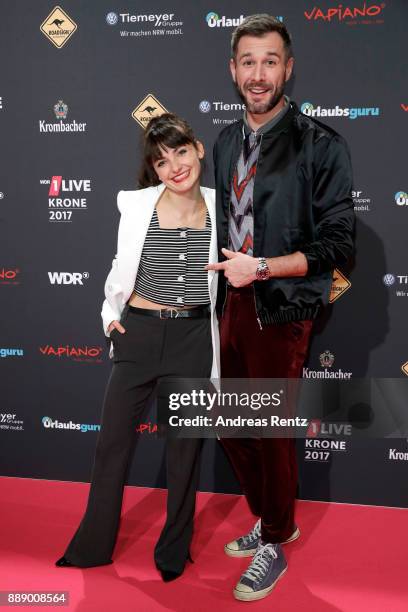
x=172, y=313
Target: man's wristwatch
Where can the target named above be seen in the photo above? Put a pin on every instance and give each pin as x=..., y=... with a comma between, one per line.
x=262, y=271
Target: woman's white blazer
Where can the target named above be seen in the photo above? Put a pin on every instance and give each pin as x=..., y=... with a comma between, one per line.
x=136, y=208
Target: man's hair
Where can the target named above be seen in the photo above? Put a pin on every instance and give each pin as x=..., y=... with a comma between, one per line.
x=259, y=25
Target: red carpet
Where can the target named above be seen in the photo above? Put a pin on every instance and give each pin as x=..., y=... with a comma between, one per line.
x=348, y=558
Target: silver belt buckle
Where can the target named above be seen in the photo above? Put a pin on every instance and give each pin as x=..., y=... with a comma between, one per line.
x=171, y=310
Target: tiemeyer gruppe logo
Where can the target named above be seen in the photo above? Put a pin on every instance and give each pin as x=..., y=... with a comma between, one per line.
x=327, y=360
x=309, y=110
x=221, y=111
x=214, y=20
x=66, y=196
x=361, y=202
x=84, y=354
x=319, y=445
x=10, y=421
x=67, y=278
x=48, y=423
x=364, y=13
x=61, y=111
x=9, y=276
x=160, y=24
x=398, y=281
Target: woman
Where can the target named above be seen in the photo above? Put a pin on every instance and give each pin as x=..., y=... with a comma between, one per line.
x=159, y=315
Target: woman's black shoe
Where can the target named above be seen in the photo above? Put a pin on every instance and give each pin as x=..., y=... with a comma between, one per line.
x=63, y=562
x=168, y=576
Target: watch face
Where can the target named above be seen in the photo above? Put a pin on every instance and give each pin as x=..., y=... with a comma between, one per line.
x=263, y=273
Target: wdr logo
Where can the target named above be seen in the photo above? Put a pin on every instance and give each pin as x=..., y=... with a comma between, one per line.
x=67, y=278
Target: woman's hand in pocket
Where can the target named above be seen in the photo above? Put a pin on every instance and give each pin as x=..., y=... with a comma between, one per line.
x=116, y=325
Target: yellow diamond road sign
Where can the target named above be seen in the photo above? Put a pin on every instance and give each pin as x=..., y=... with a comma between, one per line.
x=339, y=286
x=147, y=109
x=58, y=27
x=404, y=368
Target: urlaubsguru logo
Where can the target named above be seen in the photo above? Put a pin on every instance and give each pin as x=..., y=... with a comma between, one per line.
x=308, y=109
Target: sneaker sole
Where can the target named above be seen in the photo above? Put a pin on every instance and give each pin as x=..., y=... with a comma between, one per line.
x=242, y=596
x=250, y=552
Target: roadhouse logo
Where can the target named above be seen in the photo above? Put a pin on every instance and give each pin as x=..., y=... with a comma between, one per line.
x=360, y=201
x=340, y=285
x=327, y=360
x=85, y=354
x=58, y=27
x=148, y=108
x=309, y=110
x=364, y=13
x=400, y=280
x=9, y=276
x=9, y=421
x=401, y=198
x=67, y=278
x=319, y=446
x=48, y=423
x=221, y=108
x=11, y=352
x=161, y=24
x=61, y=204
x=61, y=111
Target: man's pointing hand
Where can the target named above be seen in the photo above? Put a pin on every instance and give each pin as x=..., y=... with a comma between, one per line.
x=239, y=269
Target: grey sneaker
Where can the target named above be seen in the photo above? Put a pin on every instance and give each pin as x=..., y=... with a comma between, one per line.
x=246, y=545
x=264, y=571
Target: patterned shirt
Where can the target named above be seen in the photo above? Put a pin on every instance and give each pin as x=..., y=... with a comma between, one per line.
x=171, y=269
x=241, y=214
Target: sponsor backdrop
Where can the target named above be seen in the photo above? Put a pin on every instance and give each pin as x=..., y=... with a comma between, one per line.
x=76, y=92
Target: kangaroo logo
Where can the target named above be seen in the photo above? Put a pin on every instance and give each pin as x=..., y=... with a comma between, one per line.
x=149, y=109
x=57, y=22
x=58, y=27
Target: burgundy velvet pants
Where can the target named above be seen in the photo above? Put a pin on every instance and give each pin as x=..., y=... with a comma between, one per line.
x=265, y=467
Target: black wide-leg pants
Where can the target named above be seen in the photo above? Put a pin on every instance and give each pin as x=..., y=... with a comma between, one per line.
x=152, y=349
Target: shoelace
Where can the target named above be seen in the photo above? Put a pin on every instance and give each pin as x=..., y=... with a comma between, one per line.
x=254, y=534
x=260, y=562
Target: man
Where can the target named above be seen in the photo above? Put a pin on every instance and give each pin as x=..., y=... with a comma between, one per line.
x=284, y=221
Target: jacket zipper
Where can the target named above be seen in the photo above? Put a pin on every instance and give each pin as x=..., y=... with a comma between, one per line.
x=253, y=217
x=230, y=177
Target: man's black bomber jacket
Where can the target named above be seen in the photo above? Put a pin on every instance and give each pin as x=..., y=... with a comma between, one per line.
x=302, y=202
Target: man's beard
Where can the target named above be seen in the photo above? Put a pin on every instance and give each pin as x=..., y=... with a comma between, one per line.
x=260, y=108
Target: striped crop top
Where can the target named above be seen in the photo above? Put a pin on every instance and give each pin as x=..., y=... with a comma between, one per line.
x=171, y=269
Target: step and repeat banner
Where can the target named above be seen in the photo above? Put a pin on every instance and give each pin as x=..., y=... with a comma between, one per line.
x=79, y=81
